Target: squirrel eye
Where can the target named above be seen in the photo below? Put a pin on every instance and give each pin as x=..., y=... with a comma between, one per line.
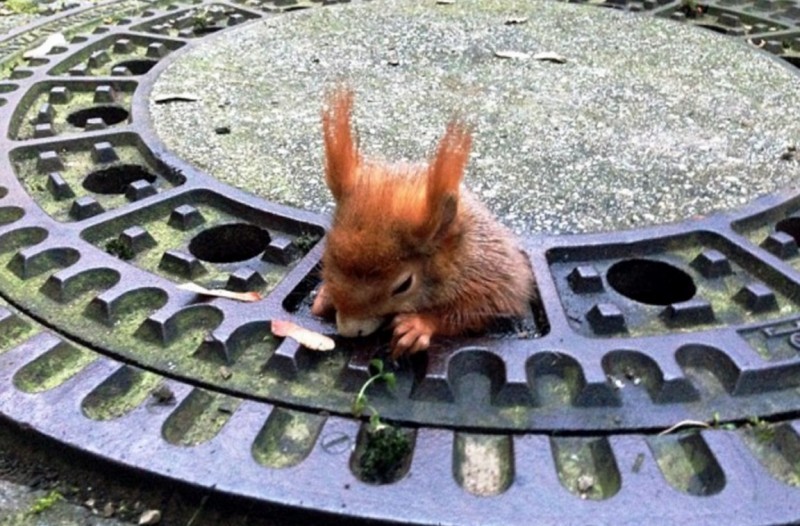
x=404, y=286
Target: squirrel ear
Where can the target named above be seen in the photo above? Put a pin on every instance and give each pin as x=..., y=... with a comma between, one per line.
x=341, y=151
x=444, y=177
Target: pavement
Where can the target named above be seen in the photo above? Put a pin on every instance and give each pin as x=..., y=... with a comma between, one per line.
x=646, y=121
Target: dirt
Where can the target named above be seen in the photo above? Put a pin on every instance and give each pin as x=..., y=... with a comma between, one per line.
x=95, y=484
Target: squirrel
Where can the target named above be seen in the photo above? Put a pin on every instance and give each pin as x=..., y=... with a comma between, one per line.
x=407, y=242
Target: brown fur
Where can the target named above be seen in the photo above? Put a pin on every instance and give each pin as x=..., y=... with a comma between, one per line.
x=393, y=221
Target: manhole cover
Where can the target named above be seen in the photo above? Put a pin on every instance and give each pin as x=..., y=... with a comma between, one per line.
x=688, y=324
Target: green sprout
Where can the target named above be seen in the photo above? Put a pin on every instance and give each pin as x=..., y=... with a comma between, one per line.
x=762, y=430
x=361, y=401
x=386, y=447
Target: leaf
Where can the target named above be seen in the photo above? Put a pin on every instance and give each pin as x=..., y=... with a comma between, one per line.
x=390, y=379
x=511, y=55
x=221, y=293
x=305, y=337
x=549, y=56
x=377, y=364
x=150, y=517
x=53, y=41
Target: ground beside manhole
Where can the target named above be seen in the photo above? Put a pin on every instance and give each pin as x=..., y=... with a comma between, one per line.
x=45, y=486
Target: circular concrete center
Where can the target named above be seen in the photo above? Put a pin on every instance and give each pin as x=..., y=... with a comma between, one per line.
x=647, y=121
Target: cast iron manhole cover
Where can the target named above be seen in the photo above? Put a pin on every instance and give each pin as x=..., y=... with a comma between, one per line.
x=688, y=327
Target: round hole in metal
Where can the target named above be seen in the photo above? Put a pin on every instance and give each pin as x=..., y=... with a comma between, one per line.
x=110, y=114
x=137, y=67
x=651, y=282
x=229, y=243
x=115, y=180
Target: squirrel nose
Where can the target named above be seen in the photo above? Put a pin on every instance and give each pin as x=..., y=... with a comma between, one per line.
x=353, y=327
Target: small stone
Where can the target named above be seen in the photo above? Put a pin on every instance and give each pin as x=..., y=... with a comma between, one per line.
x=163, y=395
x=222, y=130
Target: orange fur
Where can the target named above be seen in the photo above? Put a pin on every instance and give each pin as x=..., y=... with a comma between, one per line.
x=407, y=242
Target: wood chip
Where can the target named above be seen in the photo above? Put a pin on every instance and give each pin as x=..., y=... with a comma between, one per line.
x=549, y=56
x=305, y=337
x=221, y=293
x=53, y=41
x=511, y=55
x=175, y=97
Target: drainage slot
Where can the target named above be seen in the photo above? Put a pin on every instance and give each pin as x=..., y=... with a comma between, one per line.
x=651, y=282
x=777, y=448
x=382, y=455
x=791, y=226
x=137, y=67
x=111, y=115
x=53, y=368
x=229, y=243
x=199, y=418
x=115, y=180
x=687, y=464
x=586, y=466
x=483, y=464
x=120, y=393
x=287, y=438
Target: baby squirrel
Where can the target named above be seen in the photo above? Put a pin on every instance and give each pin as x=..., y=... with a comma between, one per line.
x=408, y=242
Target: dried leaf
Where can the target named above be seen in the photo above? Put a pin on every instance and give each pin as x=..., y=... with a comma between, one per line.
x=150, y=517
x=305, y=337
x=511, y=55
x=53, y=41
x=175, y=97
x=549, y=56
x=221, y=293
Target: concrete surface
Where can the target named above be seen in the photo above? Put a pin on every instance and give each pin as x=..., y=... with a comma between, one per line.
x=648, y=121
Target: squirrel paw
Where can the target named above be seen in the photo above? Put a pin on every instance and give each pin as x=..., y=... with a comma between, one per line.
x=412, y=333
x=322, y=306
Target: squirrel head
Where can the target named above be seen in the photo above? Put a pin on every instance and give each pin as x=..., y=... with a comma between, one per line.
x=390, y=225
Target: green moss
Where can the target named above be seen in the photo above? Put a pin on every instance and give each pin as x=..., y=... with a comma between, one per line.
x=14, y=331
x=52, y=368
x=385, y=453
x=199, y=418
x=687, y=464
x=306, y=241
x=117, y=248
x=586, y=467
x=287, y=438
x=119, y=394
x=45, y=502
x=22, y=7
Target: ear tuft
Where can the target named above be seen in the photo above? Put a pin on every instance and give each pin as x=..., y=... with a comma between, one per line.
x=341, y=151
x=444, y=177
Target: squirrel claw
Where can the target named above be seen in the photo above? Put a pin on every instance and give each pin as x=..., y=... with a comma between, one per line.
x=412, y=333
x=322, y=306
